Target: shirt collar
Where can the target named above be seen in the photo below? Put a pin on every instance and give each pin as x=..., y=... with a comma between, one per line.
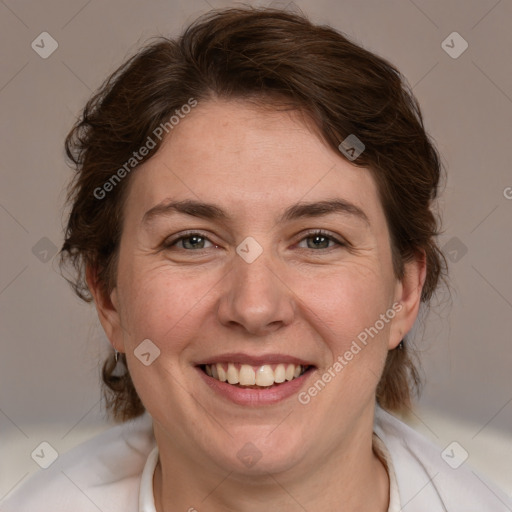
x=384, y=455
x=146, y=497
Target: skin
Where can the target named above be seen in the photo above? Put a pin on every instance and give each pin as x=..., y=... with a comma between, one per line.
x=295, y=299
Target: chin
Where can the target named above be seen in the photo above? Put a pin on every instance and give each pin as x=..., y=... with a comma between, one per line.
x=259, y=451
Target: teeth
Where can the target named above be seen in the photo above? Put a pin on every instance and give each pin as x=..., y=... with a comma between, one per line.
x=221, y=372
x=265, y=376
x=246, y=375
x=290, y=371
x=232, y=374
x=280, y=374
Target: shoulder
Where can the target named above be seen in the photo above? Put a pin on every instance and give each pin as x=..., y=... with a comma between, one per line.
x=429, y=481
x=100, y=474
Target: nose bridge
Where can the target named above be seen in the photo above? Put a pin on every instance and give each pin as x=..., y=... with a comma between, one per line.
x=254, y=297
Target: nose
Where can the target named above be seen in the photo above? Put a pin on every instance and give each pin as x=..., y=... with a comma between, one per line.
x=255, y=298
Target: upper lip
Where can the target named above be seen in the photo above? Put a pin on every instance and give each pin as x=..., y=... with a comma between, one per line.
x=258, y=360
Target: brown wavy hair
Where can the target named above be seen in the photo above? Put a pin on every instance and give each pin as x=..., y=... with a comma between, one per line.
x=273, y=58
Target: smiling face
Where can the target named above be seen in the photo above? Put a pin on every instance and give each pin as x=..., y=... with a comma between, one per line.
x=222, y=267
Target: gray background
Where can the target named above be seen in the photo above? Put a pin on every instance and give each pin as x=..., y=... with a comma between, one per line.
x=51, y=342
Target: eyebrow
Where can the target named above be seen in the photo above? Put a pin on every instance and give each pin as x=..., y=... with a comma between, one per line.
x=297, y=211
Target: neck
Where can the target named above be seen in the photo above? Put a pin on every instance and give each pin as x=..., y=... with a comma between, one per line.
x=347, y=477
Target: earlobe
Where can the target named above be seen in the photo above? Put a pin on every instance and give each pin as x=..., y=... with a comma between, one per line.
x=107, y=309
x=408, y=295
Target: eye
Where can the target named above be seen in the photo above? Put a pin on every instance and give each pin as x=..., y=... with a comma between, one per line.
x=189, y=241
x=195, y=241
x=320, y=240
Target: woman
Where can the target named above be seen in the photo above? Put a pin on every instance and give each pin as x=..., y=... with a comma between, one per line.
x=252, y=217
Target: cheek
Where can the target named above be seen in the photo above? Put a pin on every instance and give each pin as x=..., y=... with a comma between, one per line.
x=345, y=310
x=162, y=305
x=345, y=301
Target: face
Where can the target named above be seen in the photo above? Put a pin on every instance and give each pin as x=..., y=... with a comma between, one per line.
x=252, y=249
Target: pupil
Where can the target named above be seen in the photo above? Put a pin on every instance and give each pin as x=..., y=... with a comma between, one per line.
x=194, y=241
x=319, y=238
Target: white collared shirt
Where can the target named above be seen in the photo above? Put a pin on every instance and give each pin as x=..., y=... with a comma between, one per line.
x=113, y=472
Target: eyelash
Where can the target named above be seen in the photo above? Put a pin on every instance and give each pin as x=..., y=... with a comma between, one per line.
x=310, y=234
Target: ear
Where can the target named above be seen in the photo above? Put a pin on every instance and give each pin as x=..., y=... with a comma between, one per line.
x=107, y=308
x=408, y=294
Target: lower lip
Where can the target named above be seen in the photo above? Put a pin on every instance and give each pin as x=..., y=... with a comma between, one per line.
x=256, y=397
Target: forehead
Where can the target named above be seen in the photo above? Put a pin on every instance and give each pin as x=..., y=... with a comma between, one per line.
x=251, y=160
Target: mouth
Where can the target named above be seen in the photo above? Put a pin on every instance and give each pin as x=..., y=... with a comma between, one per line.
x=264, y=376
x=255, y=380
